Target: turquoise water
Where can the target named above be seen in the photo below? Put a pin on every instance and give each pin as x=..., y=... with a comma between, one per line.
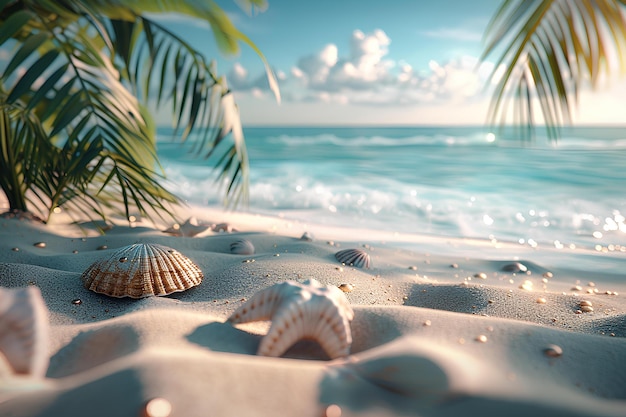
x=458, y=182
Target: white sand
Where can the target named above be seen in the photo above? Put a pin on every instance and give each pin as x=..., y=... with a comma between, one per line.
x=415, y=349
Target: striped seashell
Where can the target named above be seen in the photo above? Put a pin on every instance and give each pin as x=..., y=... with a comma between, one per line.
x=23, y=332
x=242, y=247
x=142, y=270
x=354, y=257
x=307, y=310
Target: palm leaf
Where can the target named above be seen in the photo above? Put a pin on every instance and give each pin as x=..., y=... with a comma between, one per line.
x=201, y=101
x=549, y=49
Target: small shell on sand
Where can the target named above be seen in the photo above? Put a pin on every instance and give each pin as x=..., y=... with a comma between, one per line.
x=307, y=237
x=585, y=303
x=242, y=247
x=480, y=275
x=553, y=351
x=548, y=274
x=586, y=309
x=142, y=270
x=481, y=338
x=15, y=249
x=354, y=257
x=40, y=245
x=515, y=267
x=346, y=287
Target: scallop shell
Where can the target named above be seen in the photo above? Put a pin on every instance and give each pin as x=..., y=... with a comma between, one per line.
x=242, y=247
x=142, y=270
x=23, y=331
x=354, y=257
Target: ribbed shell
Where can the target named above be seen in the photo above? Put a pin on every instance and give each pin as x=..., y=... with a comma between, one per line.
x=142, y=270
x=24, y=331
x=298, y=311
x=354, y=257
x=242, y=247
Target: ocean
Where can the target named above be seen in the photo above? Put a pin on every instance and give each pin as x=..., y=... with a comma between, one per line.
x=443, y=181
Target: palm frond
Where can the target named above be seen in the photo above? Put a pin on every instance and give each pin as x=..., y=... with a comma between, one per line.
x=91, y=116
x=201, y=101
x=549, y=49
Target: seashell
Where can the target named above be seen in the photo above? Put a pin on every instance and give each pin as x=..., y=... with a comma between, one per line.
x=307, y=310
x=515, y=267
x=242, y=247
x=24, y=334
x=354, y=257
x=142, y=270
x=307, y=237
x=553, y=351
x=346, y=287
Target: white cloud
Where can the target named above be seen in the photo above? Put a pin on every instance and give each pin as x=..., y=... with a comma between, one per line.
x=365, y=75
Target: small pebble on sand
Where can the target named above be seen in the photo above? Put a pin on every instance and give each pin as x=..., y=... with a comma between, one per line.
x=553, y=351
x=515, y=267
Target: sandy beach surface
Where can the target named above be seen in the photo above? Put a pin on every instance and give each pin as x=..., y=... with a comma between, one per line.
x=442, y=327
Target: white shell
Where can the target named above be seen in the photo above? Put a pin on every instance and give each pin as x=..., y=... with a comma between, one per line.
x=24, y=330
x=307, y=237
x=242, y=247
x=142, y=270
x=354, y=257
x=307, y=310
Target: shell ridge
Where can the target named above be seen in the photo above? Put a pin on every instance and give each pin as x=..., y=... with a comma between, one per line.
x=142, y=270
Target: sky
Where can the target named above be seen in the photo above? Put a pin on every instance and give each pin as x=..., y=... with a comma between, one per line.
x=392, y=62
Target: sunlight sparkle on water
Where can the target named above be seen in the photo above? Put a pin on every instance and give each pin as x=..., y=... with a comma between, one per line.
x=490, y=137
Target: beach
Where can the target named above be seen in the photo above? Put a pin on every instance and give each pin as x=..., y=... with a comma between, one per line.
x=442, y=326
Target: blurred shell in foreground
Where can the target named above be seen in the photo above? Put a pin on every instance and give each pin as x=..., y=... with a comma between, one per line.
x=142, y=270
x=23, y=332
x=354, y=257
